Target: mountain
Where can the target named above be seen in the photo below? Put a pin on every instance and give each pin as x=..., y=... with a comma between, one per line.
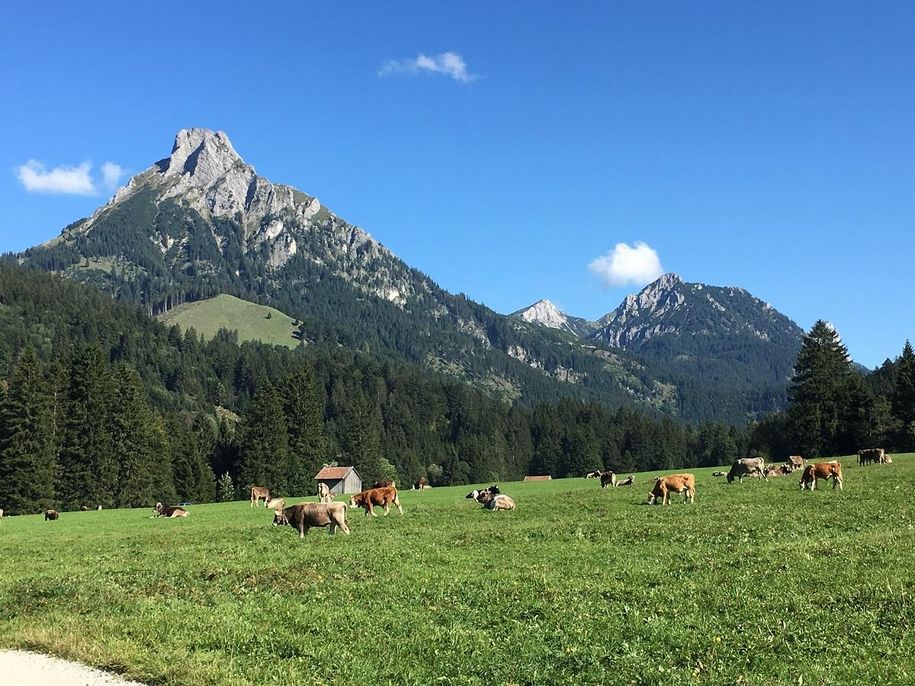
x=723, y=349
x=201, y=222
x=547, y=314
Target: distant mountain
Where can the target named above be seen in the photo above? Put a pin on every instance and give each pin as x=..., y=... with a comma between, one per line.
x=201, y=222
x=726, y=351
x=547, y=314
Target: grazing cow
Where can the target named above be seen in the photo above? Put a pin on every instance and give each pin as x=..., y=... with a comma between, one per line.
x=276, y=503
x=306, y=515
x=324, y=493
x=51, y=515
x=169, y=511
x=607, y=478
x=677, y=483
x=821, y=470
x=871, y=455
x=259, y=493
x=422, y=484
x=747, y=466
x=384, y=483
x=628, y=481
x=795, y=462
x=376, y=496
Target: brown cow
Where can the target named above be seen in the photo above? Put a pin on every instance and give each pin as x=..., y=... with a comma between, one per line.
x=51, y=515
x=259, y=493
x=303, y=516
x=821, y=470
x=376, y=496
x=169, y=511
x=678, y=483
x=422, y=484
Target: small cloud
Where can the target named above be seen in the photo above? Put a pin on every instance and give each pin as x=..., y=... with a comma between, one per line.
x=73, y=180
x=111, y=175
x=627, y=264
x=36, y=178
x=448, y=63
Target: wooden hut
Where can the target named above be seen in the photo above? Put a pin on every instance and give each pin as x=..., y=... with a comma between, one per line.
x=340, y=479
x=545, y=477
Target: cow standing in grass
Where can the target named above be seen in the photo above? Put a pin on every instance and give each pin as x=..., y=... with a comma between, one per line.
x=871, y=455
x=324, y=494
x=675, y=483
x=304, y=516
x=51, y=515
x=821, y=470
x=376, y=497
x=259, y=493
x=747, y=466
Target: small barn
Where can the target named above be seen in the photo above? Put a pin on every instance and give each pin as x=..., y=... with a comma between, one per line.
x=340, y=479
x=544, y=477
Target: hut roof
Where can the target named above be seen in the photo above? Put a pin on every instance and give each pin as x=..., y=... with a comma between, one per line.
x=333, y=473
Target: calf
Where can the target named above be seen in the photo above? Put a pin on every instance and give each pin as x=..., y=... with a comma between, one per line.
x=169, y=511
x=303, y=516
x=259, y=493
x=51, y=515
x=821, y=470
x=376, y=496
x=276, y=503
x=677, y=483
x=747, y=466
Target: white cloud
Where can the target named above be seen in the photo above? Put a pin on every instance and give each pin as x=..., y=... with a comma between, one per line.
x=111, y=174
x=36, y=178
x=68, y=180
x=448, y=63
x=627, y=264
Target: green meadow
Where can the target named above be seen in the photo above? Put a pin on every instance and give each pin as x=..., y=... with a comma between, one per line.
x=253, y=322
x=755, y=583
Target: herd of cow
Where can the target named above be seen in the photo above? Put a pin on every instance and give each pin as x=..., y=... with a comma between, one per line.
x=383, y=494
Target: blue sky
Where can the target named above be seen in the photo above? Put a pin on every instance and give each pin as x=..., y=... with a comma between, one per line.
x=762, y=145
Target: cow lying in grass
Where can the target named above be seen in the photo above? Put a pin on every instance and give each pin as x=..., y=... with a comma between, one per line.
x=51, y=515
x=775, y=472
x=304, y=516
x=628, y=481
x=821, y=470
x=169, y=511
x=475, y=493
x=495, y=501
x=676, y=483
x=382, y=497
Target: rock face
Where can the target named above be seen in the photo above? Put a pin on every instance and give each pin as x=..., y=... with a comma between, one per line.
x=547, y=314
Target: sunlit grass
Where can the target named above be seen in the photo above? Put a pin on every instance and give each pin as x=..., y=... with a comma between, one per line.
x=756, y=583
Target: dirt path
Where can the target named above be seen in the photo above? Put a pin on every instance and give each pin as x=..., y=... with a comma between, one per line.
x=33, y=669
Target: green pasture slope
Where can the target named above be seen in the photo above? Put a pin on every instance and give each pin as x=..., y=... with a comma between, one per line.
x=754, y=584
x=249, y=319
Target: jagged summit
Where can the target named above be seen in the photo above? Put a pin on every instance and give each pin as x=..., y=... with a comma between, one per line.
x=201, y=153
x=545, y=313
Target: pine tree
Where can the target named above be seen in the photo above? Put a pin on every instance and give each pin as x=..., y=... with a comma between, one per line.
x=27, y=460
x=88, y=470
x=265, y=444
x=131, y=440
x=904, y=397
x=225, y=489
x=820, y=392
x=303, y=406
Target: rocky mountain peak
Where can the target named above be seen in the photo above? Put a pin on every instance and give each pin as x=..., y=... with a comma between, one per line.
x=202, y=155
x=544, y=312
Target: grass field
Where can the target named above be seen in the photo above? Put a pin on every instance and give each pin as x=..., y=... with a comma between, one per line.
x=754, y=584
x=228, y=312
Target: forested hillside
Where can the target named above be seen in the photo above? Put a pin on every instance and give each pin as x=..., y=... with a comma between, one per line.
x=103, y=405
